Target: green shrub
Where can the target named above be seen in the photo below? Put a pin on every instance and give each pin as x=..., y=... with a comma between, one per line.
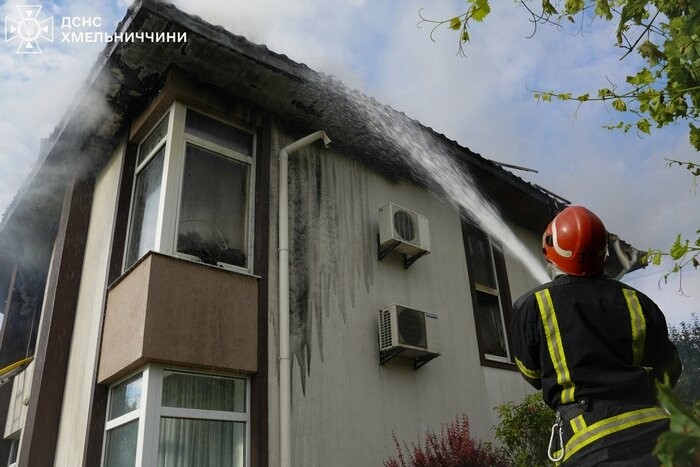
x=453, y=447
x=680, y=446
x=524, y=431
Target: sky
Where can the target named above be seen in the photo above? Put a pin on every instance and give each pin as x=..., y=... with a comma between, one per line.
x=483, y=101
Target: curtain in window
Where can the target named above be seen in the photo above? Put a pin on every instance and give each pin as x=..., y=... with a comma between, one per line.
x=490, y=325
x=201, y=443
x=192, y=391
x=121, y=445
x=213, y=209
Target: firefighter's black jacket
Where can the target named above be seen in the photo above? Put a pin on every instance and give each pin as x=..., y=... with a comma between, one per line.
x=593, y=338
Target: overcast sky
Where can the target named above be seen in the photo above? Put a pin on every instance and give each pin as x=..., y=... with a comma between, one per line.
x=482, y=101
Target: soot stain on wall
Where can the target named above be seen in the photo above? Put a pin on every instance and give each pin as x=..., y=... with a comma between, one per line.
x=331, y=246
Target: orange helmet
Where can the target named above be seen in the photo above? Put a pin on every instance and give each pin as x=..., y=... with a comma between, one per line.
x=576, y=242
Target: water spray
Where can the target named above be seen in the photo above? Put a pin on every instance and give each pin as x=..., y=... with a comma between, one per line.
x=424, y=155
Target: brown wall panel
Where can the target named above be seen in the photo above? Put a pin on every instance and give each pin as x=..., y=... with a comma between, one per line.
x=40, y=432
x=175, y=311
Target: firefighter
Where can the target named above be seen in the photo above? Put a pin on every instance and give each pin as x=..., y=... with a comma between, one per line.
x=595, y=347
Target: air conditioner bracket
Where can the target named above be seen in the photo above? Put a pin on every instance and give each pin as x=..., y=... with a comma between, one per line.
x=389, y=354
x=407, y=260
x=382, y=252
x=419, y=362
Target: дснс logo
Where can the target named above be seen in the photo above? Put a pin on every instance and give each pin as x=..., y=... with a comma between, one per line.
x=29, y=29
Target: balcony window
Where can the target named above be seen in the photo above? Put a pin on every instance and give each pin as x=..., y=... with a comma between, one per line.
x=123, y=423
x=171, y=418
x=193, y=191
x=213, y=204
x=144, y=214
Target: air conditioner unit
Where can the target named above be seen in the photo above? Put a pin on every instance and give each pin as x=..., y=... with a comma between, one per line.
x=408, y=333
x=403, y=230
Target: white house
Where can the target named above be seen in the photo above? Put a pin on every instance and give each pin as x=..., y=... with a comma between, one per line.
x=140, y=268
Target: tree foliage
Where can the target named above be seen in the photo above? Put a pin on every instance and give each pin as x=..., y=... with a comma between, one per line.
x=686, y=337
x=665, y=33
x=663, y=90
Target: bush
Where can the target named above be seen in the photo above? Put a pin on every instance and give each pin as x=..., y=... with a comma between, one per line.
x=524, y=431
x=680, y=446
x=453, y=447
x=686, y=337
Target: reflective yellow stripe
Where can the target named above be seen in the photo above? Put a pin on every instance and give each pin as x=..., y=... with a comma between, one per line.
x=578, y=424
x=532, y=374
x=639, y=325
x=556, y=349
x=609, y=426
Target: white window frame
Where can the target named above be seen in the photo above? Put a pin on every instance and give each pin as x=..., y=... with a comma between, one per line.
x=150, y=412
x=172, y=183
x=137, y=414
x=137, y=170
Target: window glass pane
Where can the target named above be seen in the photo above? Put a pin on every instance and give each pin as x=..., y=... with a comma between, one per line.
x=490, y=325
x=150, y=143
x=191, y=391
x=201, y=443
x=480, y=260
x=14, y=450
x=218, y=132
x=121, y=445
x=212, y=224
x=144, y=214
x=125, y=397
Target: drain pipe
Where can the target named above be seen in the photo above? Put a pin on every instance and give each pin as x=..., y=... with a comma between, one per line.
x=285, y=363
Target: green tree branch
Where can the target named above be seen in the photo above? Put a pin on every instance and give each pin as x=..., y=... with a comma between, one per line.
x=664, y=90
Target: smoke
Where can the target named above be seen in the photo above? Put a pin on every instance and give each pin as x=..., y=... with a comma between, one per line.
x=37, y=90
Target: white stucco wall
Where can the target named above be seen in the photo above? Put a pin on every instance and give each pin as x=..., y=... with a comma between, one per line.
x=81, y=365
x=345, y=406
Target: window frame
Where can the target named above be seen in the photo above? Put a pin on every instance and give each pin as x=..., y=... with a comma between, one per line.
x=172, y=180
x=136, y=414
x=151, y=411
x=138, y=167
x=503, y=293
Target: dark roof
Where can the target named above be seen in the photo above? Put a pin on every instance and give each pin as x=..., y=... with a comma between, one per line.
x=127, y=75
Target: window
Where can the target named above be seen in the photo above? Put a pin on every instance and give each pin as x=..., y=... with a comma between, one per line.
x=490, y=297
x=193, y=189
x=14, y=452
x=122, y=425
x=170, y=418
x=146, y=199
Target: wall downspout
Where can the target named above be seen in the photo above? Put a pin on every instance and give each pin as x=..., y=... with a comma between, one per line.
x=285, y=363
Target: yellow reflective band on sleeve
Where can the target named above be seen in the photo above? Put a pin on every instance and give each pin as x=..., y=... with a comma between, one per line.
x=532, y=374
x=608, y=426
x=639, y=325
x=578, y=424
x=556, y=348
